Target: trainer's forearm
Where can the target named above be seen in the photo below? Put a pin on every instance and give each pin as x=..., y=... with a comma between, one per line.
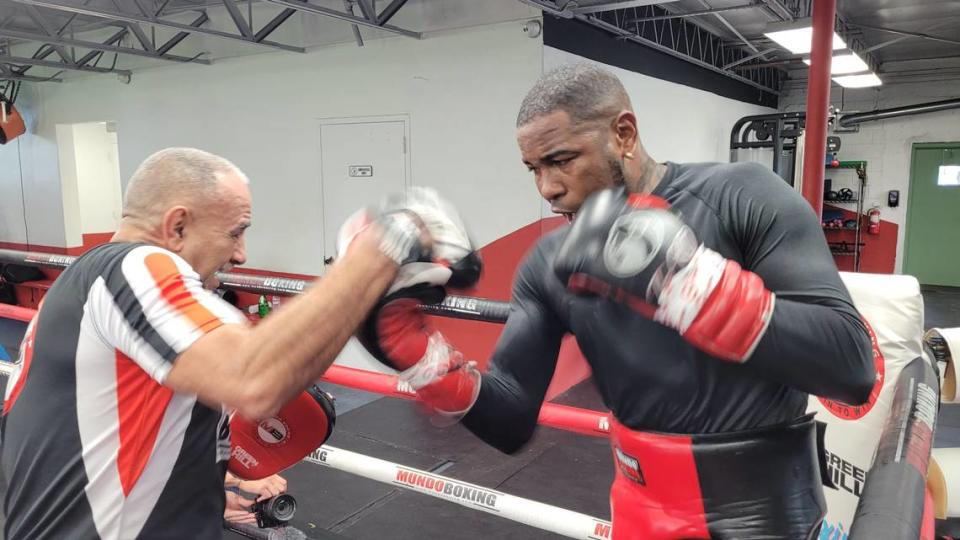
x=297, y=343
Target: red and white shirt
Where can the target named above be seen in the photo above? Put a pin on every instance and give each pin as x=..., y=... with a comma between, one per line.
x=93, y=444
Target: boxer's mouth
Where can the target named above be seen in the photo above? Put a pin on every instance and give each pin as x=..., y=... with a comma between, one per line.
x=565, y=214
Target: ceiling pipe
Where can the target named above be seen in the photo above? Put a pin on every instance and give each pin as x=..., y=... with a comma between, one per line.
x=884, y=114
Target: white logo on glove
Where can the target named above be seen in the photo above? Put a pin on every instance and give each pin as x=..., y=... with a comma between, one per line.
x=633, y=242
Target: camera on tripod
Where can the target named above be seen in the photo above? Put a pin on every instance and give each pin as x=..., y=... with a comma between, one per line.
x=275, y=511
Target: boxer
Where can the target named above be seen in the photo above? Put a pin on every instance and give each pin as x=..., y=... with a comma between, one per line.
x=703, y=296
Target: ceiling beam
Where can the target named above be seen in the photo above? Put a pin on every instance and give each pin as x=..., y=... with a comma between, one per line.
x=693, y=13
x=10, y=75
x=242, y=26
x=60, y=65
x=131, y=18
x=348, y=5
x=30, y=36
x=273, y=24
x=367, y=9
x=574, y=7
x=735, y=32
x=779, y=9
x=141, y=36
x=38, y=20
x=389, y=11
x=109, y=41
x=360, y=21
x=180, y=36
x=906, y=33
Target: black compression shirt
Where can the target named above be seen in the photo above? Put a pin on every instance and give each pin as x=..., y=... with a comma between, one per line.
x=647, y=374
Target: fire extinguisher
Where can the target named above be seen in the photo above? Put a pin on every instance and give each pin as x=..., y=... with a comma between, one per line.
x=874, y=217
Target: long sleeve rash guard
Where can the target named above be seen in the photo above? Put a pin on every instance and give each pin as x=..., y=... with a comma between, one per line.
x=647, y=374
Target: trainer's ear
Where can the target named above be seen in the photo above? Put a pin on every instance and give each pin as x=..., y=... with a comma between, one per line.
x=174, y=228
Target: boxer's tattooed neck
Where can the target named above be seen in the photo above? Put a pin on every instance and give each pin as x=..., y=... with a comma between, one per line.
x=649, y=178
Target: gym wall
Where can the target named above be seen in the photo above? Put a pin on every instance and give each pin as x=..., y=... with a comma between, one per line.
x=886, y=145
x=460, y=89
x=677, y=123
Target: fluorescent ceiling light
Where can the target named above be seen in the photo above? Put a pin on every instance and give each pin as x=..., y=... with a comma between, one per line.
x=800, y=40
x=843, y=64
x=858, y=81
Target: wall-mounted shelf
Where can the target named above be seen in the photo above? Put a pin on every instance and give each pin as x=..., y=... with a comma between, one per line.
x=860, y=167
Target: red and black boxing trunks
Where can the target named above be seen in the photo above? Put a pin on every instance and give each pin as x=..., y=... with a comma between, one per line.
x=762, y=483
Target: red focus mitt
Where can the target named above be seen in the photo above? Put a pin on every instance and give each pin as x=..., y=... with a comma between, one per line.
x=260, y=449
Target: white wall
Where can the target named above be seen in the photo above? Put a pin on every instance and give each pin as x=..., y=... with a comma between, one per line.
x=98, y=177
x=69, y=184
x=676, y=123
x=461, y=90
x=887, y=145
x=12, y=225
x=39, y=183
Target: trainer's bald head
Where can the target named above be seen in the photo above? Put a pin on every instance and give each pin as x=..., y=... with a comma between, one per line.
x=177, y=176
x=190, y=202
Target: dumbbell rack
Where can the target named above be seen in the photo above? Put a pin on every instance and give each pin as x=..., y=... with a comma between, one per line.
x=861, y=169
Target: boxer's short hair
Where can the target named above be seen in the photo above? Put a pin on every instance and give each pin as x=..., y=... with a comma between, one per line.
x=586, y=92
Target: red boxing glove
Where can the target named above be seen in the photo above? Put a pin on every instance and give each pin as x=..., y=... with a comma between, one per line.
x=399, y=335
x=634, y=250
x=260, y=449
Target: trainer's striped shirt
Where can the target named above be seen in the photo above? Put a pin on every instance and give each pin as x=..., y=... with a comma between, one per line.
x=93, y=444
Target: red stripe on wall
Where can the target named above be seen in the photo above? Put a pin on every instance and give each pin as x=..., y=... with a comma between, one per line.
x=878, y=255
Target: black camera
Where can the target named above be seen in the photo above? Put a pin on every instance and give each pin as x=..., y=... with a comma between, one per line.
x=275, y=511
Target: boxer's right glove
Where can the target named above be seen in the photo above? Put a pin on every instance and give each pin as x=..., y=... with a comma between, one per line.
x=633, y=249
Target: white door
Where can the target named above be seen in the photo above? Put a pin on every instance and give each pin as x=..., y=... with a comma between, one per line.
x=360, y=162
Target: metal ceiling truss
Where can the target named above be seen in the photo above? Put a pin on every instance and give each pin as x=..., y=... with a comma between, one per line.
x=132, y=23
x=7, y=73
x=60, y=40
x=368, y=18
x=57, y=40
x=134, y=20
x=669, y=32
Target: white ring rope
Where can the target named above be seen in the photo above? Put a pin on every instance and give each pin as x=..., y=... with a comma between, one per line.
x=536, y=514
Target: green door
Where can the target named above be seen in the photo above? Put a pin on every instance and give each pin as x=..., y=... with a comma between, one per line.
x=933, y=217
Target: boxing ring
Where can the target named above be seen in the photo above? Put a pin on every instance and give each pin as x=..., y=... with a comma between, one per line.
x=896, y=475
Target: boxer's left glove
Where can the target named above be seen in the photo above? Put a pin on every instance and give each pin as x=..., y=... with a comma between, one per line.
x=634, y=250
x=260, y=449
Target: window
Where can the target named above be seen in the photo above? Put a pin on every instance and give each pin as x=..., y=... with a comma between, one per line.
x=949, y=175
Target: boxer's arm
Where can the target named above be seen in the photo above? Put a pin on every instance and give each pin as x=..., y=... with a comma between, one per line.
x=523, y=362
x=256, y=370
x=816, y=341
